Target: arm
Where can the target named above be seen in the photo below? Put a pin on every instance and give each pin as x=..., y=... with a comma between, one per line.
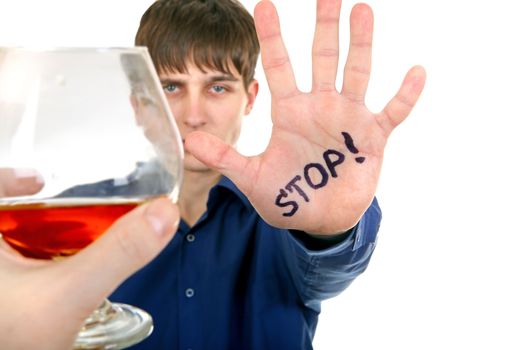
x=322, y=274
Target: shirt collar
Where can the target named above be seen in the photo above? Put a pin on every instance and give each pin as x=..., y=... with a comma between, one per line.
x=226, y=183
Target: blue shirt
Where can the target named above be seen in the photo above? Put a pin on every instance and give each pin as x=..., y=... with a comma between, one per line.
x=234, y=282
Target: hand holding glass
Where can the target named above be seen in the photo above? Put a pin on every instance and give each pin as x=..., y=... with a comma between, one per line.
x=96, y=128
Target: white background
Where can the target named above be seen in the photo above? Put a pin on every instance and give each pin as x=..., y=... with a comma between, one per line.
x=449, y=268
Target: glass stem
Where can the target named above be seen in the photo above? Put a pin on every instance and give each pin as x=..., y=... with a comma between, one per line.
x=102, y=314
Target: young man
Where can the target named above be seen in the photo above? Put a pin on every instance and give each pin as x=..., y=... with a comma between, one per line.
x=263, y=240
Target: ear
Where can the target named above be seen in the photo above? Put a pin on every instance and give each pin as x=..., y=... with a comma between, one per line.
x=252, y=90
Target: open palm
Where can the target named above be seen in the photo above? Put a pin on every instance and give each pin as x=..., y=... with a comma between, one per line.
x=321, y=168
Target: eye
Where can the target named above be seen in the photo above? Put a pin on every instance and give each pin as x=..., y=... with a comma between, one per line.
x=170, y=88
x=218, y=89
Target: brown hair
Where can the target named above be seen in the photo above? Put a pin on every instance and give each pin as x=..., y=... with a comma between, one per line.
x=212, y=34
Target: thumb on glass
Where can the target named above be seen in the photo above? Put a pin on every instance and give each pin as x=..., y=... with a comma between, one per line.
x=129, y=244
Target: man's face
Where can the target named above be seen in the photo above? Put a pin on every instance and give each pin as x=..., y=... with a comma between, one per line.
x=209, y=101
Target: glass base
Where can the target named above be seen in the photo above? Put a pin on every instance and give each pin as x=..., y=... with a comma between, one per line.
x=114, y=326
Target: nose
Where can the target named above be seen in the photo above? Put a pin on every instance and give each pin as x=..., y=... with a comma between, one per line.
x=194, y=114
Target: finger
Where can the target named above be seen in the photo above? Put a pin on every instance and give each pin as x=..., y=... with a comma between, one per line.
x=400, y=106
x=12, y=257
x=7, y=251
x=274, y=57
x=133, y=241
x=216, y=154
x=19, y=182
x=325, y=51
x=359, y=60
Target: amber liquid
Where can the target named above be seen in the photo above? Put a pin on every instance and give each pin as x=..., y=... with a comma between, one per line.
x=51, y=230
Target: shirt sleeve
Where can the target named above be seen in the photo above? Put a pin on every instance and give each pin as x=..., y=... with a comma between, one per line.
x=311, y=242
x=322, y=274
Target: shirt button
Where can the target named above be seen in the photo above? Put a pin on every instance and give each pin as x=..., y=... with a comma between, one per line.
x=190, y=237
x=189, y=293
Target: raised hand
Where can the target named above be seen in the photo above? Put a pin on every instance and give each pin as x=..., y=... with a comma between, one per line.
x=322, y=165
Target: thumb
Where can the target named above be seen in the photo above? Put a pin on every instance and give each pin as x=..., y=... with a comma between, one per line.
x=132, y=242
x=220, y=156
